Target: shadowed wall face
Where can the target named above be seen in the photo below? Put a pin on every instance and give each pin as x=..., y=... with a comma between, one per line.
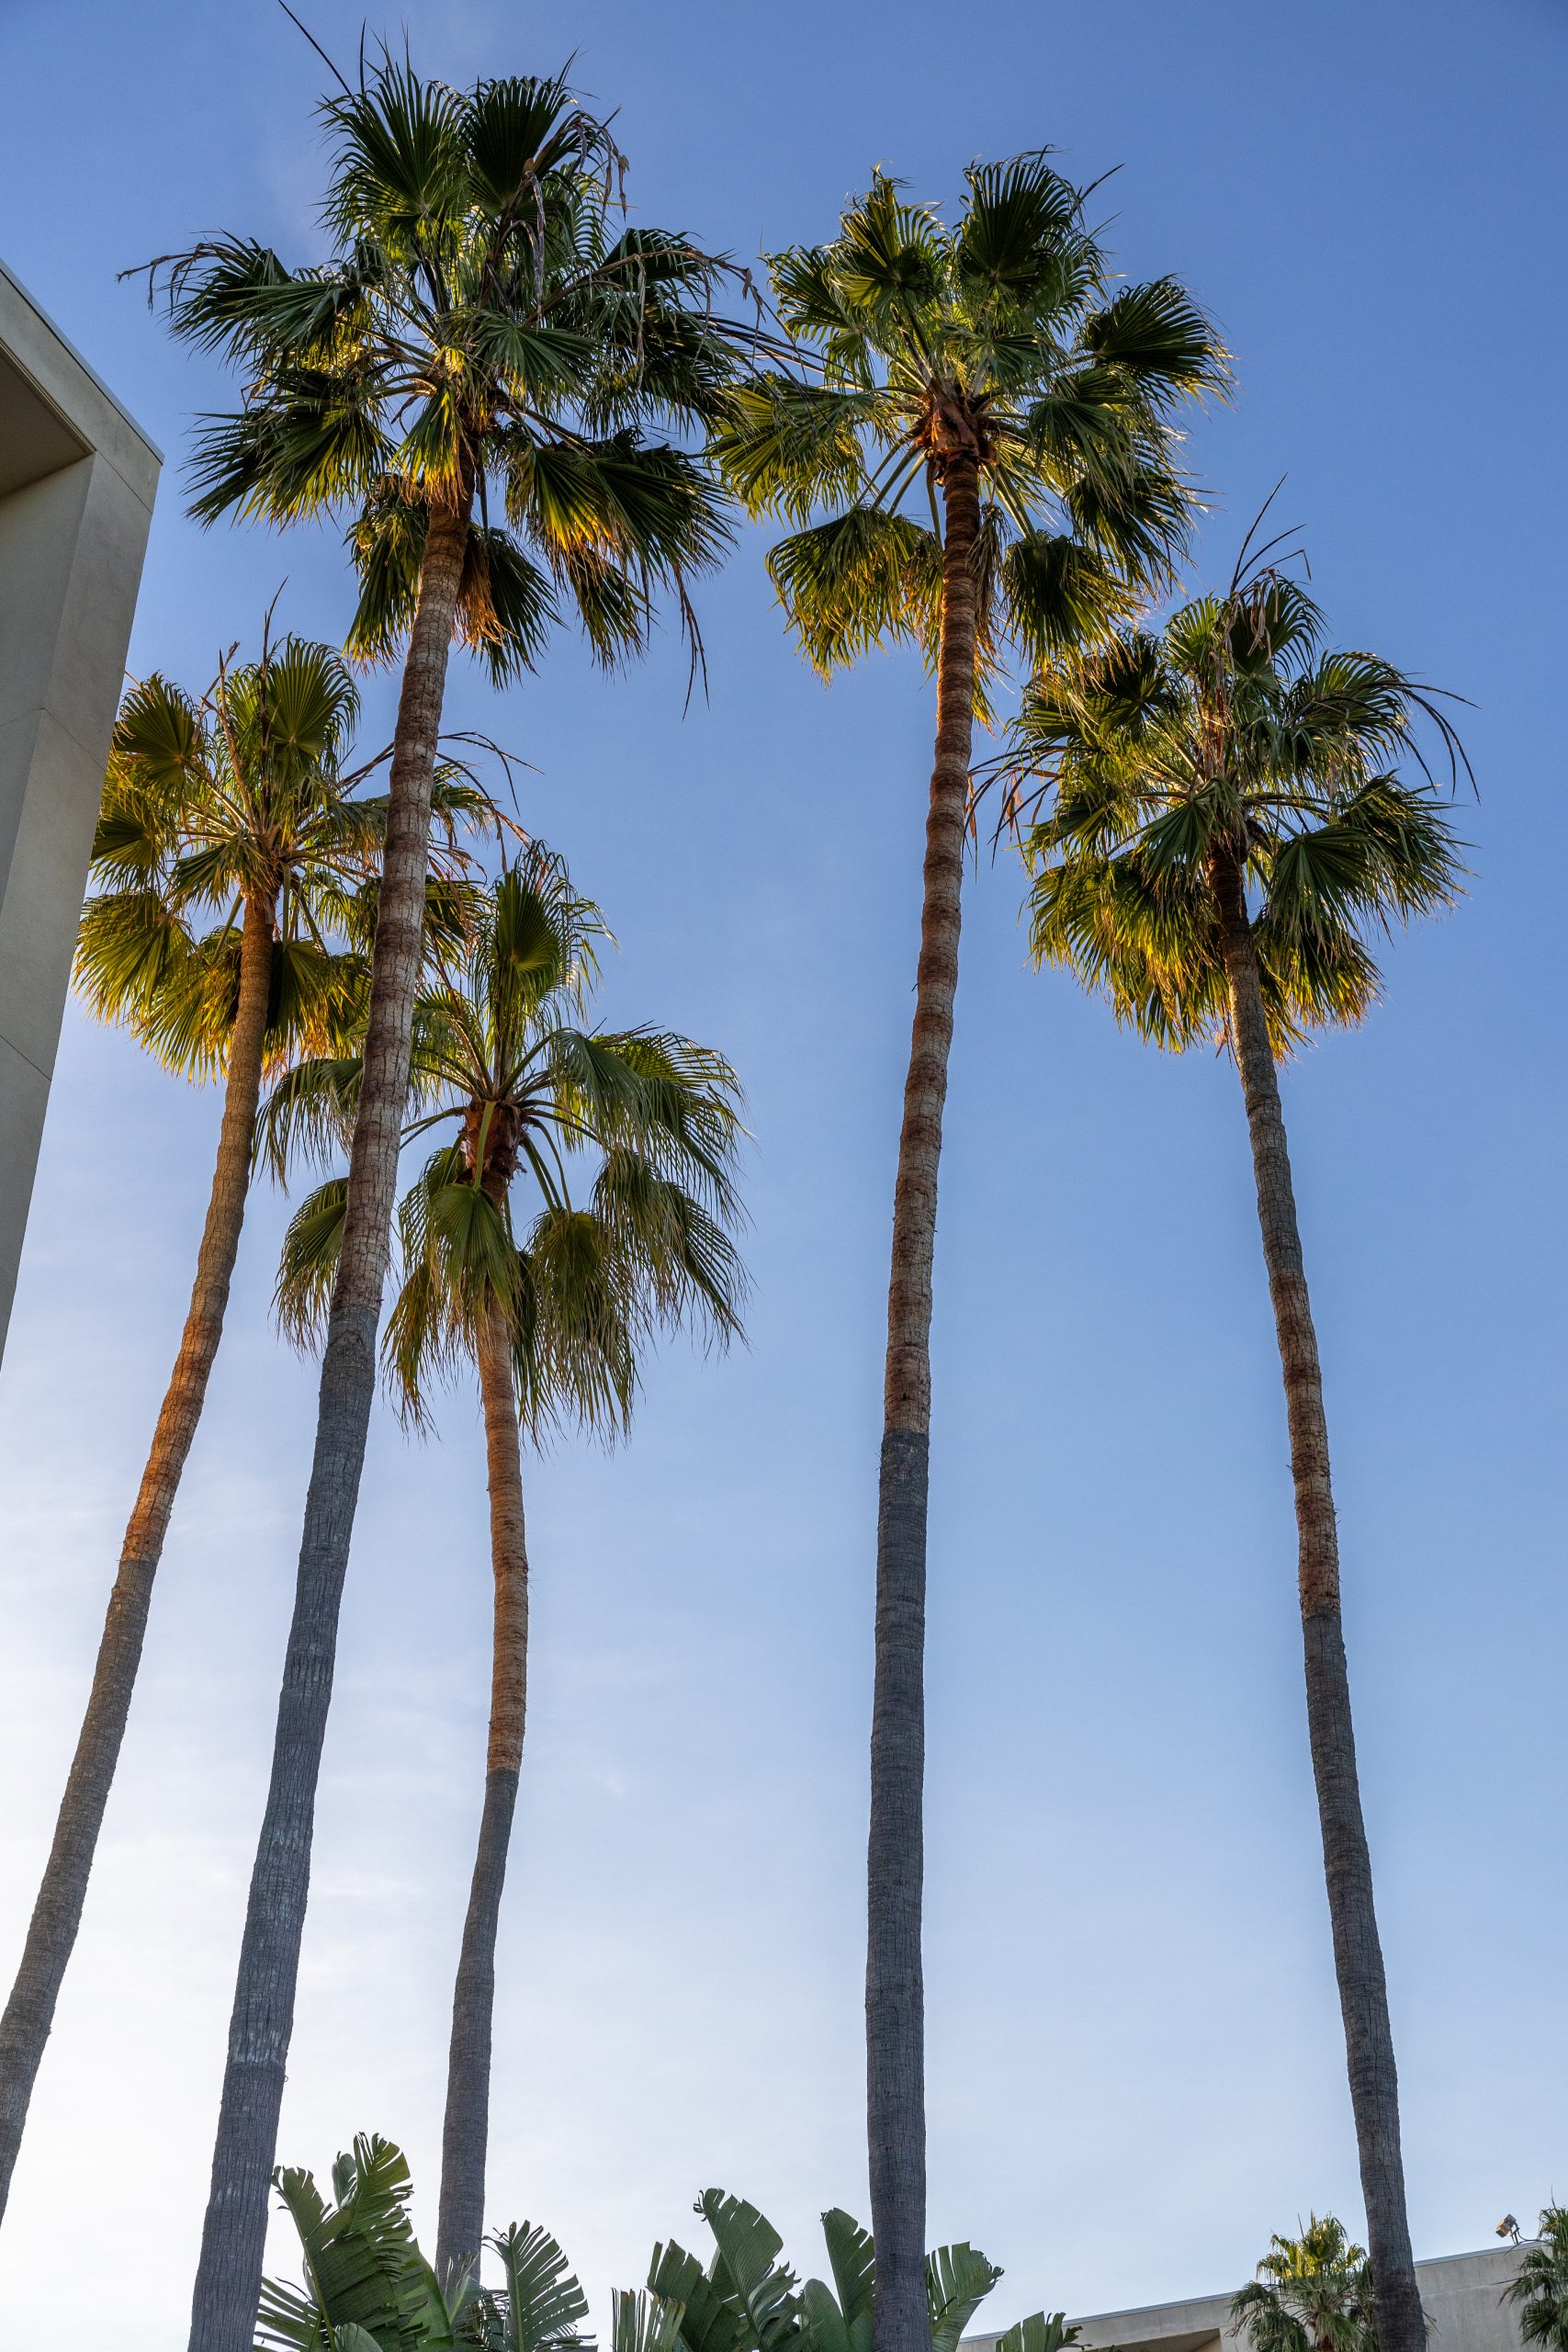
x=77, y=482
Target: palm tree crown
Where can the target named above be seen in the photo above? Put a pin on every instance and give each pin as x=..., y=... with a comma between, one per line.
x=479, y=329
x=1539, y=2293
x=1311, y=2294
x=248, y=796
x=499, y=1055
x=240, y=798
x=1231, y=744
x=998, y=341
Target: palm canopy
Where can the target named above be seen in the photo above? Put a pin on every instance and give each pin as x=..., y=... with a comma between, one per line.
x=1311, y=2294
x=999, y=339
x=498, y=1053
x=481, y=329
x=247, y=796
x=1233, y=738
x=1540, y=2291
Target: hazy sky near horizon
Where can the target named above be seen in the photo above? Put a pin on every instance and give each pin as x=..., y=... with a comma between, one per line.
x=1135, y=2065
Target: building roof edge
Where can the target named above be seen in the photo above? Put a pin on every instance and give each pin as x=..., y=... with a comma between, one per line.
x=14, y=283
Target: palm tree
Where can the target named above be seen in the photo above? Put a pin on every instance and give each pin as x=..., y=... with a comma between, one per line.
x=1226, y=827
x=988, y=370
x=1311, y=2294
x=478, y=335
x=1540, y=2290
x=550, y=1321
x=234, y=858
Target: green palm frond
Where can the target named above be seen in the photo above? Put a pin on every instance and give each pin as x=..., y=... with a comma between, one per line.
x=1229, y=736
x=1311, y=2294
x=862, y=578
x=364, y=2274
x=709, y=2319
x=650, y=1247
x=1066, y=392
x=958, y=2279
x=644, y=2323
x=748, y=2299
x=247, y=798
x=746, y=2268
x=1041, y=2332
x=308, y=1268
x=1539, y=2291
x=307, y=1118
x=540, y=2307
x=852, y=2258
x=485, y=330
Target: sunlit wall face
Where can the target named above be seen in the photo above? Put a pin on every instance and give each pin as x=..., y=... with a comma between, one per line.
x=1135, y=2068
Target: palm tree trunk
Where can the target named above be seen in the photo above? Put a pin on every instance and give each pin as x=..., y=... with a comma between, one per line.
x=228, y=2280
x=465, y=2137
x=1357, y=1954
x=57, y=1914
x=894, y=1986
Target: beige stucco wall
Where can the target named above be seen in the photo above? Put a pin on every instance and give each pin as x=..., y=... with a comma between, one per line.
x=77, y=480
x=1459, y=2293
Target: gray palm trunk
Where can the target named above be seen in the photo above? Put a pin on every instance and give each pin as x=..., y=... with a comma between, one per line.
x=466, y=2133
x=895, y=1984
x=1358, y=1954
x=57, y=1914
x=228, y=2280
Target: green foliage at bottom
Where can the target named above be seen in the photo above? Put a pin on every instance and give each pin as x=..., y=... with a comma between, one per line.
x=367, y=2287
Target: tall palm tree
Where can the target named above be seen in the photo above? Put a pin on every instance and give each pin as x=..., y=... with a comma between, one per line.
x=1311, y=2294
x=1225, y=828
x=551, y=1320
x=478, y=337
x=986, y=371
x=234, y=861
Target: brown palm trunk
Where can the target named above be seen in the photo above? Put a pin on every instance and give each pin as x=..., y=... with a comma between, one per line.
x=57, y=1914
x=466, y=2134
x=895, y=1986
x=1357, y=1954
x=228, y=2280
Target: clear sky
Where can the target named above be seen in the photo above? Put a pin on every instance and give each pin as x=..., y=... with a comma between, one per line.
x=1135, y=2065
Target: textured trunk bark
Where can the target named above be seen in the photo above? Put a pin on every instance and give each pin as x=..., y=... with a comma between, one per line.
x=57, y=1914
x=465, y=2137
x=895, y=1988
x=1357, y=1954
x=228, y=2280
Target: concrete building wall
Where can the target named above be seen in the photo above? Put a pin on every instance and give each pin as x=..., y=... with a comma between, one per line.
x=77, y=480
x=1460, y=2294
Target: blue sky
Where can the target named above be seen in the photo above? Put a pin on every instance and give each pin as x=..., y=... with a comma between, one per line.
x=1136, y=2069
